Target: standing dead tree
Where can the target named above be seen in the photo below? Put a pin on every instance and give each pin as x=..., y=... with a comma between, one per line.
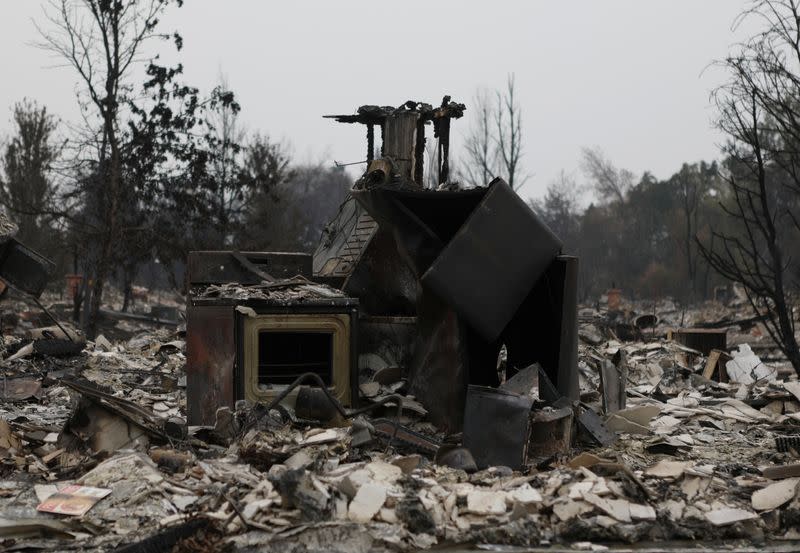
x=508, y=125
x=494, y=145
x=101, y=40
x=759, y=110
x=481, y=151
x=226, y=168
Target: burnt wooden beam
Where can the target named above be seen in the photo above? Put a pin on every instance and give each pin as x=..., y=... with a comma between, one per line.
x=370, y=143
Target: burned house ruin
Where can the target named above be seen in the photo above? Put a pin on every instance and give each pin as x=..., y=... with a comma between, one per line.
x=429, y=283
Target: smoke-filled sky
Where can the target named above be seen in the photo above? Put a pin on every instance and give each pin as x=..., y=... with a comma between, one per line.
x=628, y=76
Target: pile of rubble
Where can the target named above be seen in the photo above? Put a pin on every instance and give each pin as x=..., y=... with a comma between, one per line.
x=93, y=454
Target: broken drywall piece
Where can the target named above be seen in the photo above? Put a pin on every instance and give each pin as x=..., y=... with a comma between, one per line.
x=577, y=489
x=674, y=508
x=727, y=516
x=322, y=437
x=746, y=367
x=618, y=509
x=350, y=484
x=691, y=486
x=567, y=510
x=384, y=472
x=633, y=420
x=793, y=387
x=486, y=502
x=408, y=463
x=102, y=343
x=367, y=502
x=642, y=512
x=525, y=494
x=668, y=469
x=617, y=423
x=370, y=389
x=774, y=495
x=588, y=546
x=20, y=389
x=299, y=460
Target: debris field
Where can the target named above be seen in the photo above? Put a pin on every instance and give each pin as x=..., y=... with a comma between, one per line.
x=695, y=459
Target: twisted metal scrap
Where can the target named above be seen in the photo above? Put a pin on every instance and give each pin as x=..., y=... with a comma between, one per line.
x=345, y=413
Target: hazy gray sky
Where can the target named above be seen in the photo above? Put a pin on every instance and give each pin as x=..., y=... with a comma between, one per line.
x=624, y=75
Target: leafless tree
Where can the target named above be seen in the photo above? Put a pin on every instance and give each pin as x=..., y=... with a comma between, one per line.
x=480, y=144
x=101, y=41
x=494, y=145
x=508, y=126
x=759, y=110
x=226, y=169
x=610, y=183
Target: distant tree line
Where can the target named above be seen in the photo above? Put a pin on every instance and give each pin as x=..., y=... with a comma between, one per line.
x=638, y=234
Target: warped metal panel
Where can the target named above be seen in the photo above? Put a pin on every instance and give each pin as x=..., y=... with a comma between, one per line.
x=210, y=360
x=497, y=427
x=489, y=267
x=23, y=268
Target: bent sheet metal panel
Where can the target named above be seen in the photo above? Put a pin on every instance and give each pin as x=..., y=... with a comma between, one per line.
x=439, y=372
x=497, y=427
x=422, y=221
x=489, y=267
x=545, y=329
x=24, y=268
